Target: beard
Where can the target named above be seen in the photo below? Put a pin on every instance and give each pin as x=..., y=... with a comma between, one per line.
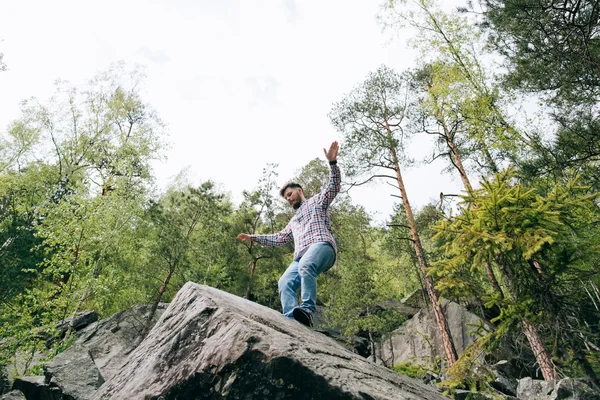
x=297, y=204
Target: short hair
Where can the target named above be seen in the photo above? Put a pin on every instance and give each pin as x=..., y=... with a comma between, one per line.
x=292, y=185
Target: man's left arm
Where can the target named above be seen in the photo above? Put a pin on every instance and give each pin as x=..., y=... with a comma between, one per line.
x=335, y=177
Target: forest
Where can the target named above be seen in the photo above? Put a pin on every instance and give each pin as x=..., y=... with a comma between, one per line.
x=83, y=227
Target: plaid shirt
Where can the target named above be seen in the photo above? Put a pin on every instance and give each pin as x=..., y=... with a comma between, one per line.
x=311, y=223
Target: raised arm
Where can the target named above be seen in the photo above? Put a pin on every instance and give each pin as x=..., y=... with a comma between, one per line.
x=335, y=178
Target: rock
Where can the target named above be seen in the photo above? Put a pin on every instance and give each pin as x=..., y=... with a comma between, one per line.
x=533, y=389
x=565, y=389
x=34, y=387
x=418, y=340
x=74, y=373
x=431, y=378
x=5, y=383
x=504, y=384
x=417, y=299
x=98, y=351
x=13, y=395
x=210, y=344
x=110, y=340
x=77, y=322
x=401, y=307
x=575, y=389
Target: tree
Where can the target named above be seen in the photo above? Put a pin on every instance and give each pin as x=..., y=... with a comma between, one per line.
x=75, y=172
x=451, y=52
x=550, y=46
x=100, y=138
x=529, y=238
x=372, y=119
x=551, y=49
x=20, y=195
x=259, y=213
x=177, y=218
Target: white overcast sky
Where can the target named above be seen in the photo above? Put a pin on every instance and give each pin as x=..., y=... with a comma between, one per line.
x=238, y=83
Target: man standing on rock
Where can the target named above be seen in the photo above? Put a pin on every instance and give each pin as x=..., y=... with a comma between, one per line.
x=314, y=245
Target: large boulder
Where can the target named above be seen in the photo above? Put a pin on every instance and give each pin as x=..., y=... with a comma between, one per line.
x=209, y=344
x=35, y=388
x=565, y=389
x=575, y=389
x=98, y=351
x=110, y=340
x=418, y=340
x=74, y=373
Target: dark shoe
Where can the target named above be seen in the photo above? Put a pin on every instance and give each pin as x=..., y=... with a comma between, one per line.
x=303, y=316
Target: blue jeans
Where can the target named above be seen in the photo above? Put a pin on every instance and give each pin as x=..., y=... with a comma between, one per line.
x=303, y=272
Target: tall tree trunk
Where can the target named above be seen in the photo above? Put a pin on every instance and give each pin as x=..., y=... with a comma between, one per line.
x=447, y=342
x=542, y=355
x=455, y=155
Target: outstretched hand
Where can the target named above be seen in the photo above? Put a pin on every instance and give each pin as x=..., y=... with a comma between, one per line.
x=244, y=237
x=331, y=155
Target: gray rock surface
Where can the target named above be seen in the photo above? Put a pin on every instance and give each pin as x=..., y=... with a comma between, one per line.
x=418, y=340
x=35, y=388
x=13, y=395
x=534, y=389
x=110, y=340
x=77, y=322
x=503, y=383
x=75, y=373
x=575, y=389
x=210, y=344
x=98, y=351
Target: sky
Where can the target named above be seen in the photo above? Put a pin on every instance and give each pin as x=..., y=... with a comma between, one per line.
x=239, y=83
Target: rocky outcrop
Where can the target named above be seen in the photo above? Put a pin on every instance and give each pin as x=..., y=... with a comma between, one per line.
x=418, y=340
x=74, y=372
x=98, y=352
x=34, y=387
x=77, y=322
x=110, y=341
x=565, y=389
x=210, y=344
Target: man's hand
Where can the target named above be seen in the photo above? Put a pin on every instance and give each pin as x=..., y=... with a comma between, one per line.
x=331, y=155
x=244, y=237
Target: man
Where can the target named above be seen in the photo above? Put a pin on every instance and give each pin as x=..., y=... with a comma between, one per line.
x=314, y=245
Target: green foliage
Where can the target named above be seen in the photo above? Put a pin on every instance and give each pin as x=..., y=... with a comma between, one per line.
x=410, y=369
x=398, y=245
x=551, y=46
x=462, y=104
x=470, y=371
x=80, y=229
x=363, y=280
x=258, y=267
x=542, y=245
x=372, y=118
